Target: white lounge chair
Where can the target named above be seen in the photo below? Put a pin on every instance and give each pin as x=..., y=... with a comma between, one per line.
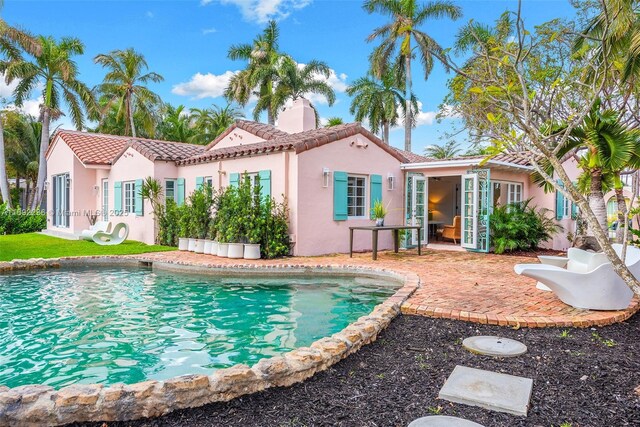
x=595, y=286
x=104, y=226
x=115, y=237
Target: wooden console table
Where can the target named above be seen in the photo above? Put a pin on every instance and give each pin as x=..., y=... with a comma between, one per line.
x=395, y=230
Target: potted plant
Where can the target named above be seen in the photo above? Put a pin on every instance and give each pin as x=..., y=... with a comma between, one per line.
x=221, y=221
x=255, y=220
x=183, y=228
x=211, y=245
x=378, y=213
x=201, y=203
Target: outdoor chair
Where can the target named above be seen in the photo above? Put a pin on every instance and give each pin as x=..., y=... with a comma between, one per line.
x=452, y=231
x=592, y=285
x=117, y=236
x=103, y=226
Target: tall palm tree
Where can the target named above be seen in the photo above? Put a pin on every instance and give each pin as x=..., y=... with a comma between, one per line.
x=176, y=124
x=406, y=18
x=258, y=77
x=211, y=122
x=12, y=42
x=378, y=101
x=295, y=81
x=124, y=85
x=446, y=151
x=57, y=73
x=23, y=136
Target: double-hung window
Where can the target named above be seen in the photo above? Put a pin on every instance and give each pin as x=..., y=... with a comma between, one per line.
x=129, y=197
x=170, y=191
x=566, y=207
x=515, y=193
x=356, y=196
x=105, y=200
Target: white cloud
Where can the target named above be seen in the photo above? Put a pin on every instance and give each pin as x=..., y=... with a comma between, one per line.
x=209, y=31
x=204, y=85
x=6, y=91
x=261, y=11
x=425, y=117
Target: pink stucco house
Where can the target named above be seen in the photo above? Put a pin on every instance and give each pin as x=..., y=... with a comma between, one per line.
x=330, y=177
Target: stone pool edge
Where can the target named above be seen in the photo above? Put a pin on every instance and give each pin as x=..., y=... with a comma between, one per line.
x=44, y=405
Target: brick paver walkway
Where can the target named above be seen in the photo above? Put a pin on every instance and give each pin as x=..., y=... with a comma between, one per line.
x=466, y=286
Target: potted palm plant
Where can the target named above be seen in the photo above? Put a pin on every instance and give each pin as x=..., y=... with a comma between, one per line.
x=378, y=212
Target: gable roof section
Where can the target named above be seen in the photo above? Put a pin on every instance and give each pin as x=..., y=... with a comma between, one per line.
x=154, y=149
x=298, y=142
x=91, y=148
x=261, y=130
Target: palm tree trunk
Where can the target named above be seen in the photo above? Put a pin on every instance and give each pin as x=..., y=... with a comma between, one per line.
x=21, y=200
x=130, y=116
x=385, y=129
x=42, y=163
x=596, y=200
x=622, y=215
x=4, y=184
x=407, y=103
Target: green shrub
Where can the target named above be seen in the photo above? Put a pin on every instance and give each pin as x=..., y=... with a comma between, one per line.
x=169, y=224
x=18, y=221
x=520, y=227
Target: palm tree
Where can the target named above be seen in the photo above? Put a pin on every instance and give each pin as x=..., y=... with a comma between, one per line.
x=295, y=81
x=378, y=101
x=57, y=73
x=113, y=123
x=334, y=121
x=397, y=36
x=124, y=85
x=12, y=41
x=446, y=151
x=211, y=122
x=258, y=77
x=176, y=124
x=23, y=135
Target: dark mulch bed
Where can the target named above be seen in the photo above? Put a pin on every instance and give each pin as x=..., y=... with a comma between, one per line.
x=534, y=254
x=585, y=377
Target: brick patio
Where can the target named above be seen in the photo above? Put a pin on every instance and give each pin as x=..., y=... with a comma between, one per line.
x=466, y=286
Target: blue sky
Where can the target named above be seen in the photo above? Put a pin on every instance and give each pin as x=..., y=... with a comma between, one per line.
x=186, y=42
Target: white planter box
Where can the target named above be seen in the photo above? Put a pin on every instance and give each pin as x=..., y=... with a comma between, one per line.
x=223, y=250
x=183, y=244
x=236, y=250
x=192, y=245
x=207, y=246
x=199, y=248
x=251, y=251
x=214, y=247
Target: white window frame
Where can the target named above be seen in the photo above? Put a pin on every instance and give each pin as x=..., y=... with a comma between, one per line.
x=129, y=197
x=208, y=180
x=566, y=207
x=514, y=189
x=174, y=189
x=105, y=199
x=364, y=197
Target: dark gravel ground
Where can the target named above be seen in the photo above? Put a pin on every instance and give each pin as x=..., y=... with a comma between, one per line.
x=582, y=377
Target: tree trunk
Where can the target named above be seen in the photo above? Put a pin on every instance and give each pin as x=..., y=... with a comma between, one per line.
x=407, y=103
x=596, y=200
x=42, y=165
x=21, y=200
x=385, y=129
x=4, y=183
x=622, y=215
x=130, y=114
x=28, y=195
x=270, y=119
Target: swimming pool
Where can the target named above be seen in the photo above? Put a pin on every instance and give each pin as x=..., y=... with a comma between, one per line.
x=127, y=324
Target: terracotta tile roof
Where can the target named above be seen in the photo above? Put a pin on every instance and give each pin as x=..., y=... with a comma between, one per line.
x=411, y=157
x=299, y=142
x=102, y=149
x=261, y=130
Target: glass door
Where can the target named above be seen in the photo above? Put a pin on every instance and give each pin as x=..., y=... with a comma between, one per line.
x=469, y=226
x=419, y=208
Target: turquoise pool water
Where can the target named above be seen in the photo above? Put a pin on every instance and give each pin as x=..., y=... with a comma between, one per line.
x=109, y=325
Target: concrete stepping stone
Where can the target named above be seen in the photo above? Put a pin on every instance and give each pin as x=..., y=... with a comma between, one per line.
x=442, y=421
x=489, y=390
x=494, y=346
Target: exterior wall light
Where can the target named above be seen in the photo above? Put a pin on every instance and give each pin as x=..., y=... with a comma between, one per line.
x=325, y=177
x=391, y=181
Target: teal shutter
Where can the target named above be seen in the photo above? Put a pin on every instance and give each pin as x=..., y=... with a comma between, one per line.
x=339, y=196
x=234, y=179
x=559, y=201
x=117, y=198
x=199, y=182
x=574, y=206
x=180, y=192
x=139, y=202
x=265, y=184
x=375, y=191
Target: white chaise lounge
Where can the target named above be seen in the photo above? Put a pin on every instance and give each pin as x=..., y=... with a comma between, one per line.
x=589, y=280
x=104, y=226
x=117, y=236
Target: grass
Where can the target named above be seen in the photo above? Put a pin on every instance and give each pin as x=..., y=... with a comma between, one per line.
x=33, y=245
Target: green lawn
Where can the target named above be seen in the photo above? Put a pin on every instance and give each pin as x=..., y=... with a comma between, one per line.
x=33, y=245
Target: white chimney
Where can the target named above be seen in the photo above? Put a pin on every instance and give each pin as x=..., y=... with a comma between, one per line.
x=298, y=118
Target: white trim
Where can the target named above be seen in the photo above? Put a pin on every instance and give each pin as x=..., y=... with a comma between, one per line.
x=460, y=163
x=365, y=207
x=474, y=202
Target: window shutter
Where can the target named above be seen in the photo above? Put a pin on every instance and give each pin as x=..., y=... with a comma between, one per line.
x=117, y=198
x=199, y=182
x=234, y=179
x=339, y=196
x=138, y=201
x=375, y=191
x=574, y=206
x=265, y=184
x=559, y=201
x=180, y=192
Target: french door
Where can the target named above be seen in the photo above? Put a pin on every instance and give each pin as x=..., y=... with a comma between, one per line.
x=419, y=208
x=61, y=200
x=476, y=208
